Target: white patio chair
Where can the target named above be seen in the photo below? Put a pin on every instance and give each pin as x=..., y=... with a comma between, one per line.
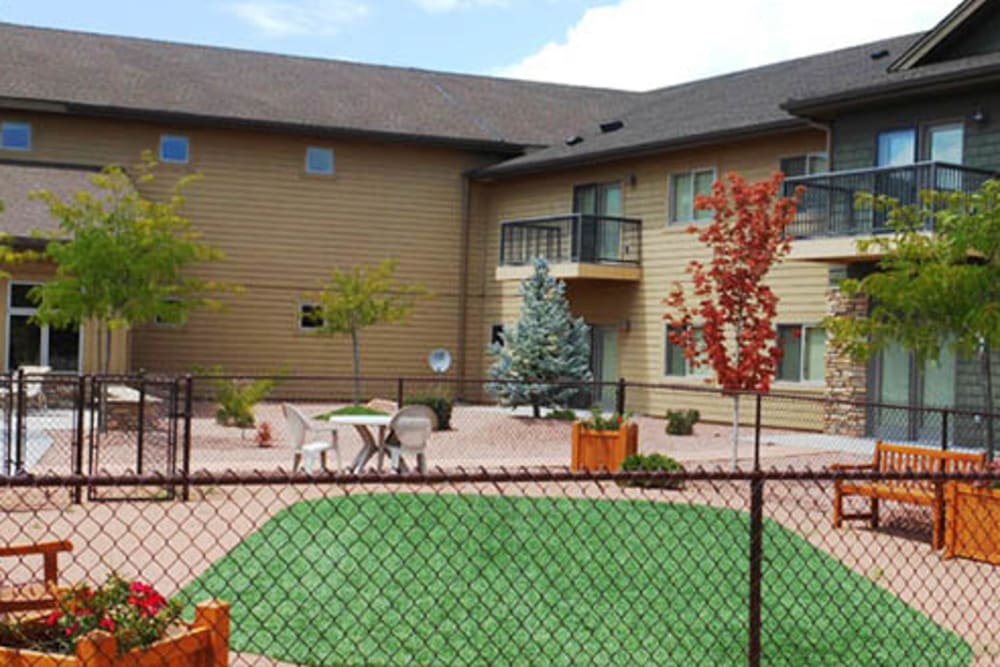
x=300, y=430
x=410, y=429
x=33, y=385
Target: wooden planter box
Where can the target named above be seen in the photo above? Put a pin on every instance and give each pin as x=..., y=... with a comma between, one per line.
x=972, y=528
x=596, y=450
x=204, y=644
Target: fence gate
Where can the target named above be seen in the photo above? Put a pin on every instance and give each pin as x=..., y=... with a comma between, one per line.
x=134, y=425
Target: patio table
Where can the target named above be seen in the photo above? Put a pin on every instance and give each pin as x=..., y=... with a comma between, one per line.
x=372, y=444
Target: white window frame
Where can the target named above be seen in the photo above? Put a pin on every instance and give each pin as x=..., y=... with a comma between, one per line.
x=300, y=313
x=809, y=158
x=333, y=161
x=672, y=197
x=701, y=372
x=43, y=352
x=803, y=352
x=187, y=148
x=21, y=149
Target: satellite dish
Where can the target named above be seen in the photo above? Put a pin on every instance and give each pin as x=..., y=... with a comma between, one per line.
x=439, y=360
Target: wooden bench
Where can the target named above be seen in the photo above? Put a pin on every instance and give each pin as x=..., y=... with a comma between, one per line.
x=37, y=596
x=897, y=459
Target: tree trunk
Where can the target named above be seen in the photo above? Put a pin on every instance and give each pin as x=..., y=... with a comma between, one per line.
x=990, y=407
x=356, y=351
x=736, y=397
x=736, y=429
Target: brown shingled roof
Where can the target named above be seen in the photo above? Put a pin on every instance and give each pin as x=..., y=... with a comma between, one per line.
x=139, y=75
x=22, y=215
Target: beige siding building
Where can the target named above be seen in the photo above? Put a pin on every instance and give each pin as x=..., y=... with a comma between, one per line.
x=309, y=165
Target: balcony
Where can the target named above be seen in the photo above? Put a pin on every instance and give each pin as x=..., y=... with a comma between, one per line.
x=576, y=246
x=829, y=208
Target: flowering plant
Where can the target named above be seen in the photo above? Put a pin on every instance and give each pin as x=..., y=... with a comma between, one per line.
x=265, y=437
x=132, y=611
x=598, y=422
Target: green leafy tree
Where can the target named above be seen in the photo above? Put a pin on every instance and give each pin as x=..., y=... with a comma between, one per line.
x=932, y=290
x=122, y=258
x=547, y=350
x=361, y=297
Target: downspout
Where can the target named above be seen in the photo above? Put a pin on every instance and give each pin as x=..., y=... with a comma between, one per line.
x=463, y=283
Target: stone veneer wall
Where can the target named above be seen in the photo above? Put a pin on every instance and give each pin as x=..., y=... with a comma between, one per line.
x=846, y=379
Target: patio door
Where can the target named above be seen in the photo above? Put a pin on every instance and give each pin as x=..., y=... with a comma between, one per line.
x=600, y=239
x=604, y=364
x=30, y=344
x=900, y=379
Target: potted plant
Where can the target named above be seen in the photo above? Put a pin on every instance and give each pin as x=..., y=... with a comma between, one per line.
x=120, y=623
x=265, y=436
x=603, y=442
x=972, y=525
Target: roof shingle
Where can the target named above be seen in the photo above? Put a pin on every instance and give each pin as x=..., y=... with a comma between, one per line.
x=128, y=74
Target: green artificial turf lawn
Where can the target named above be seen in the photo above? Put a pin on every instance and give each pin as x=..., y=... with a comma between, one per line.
x=353, y=410
x=397, y=579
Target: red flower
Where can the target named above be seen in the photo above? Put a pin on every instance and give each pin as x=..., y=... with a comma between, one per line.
x=53, y=617
x=107, y=623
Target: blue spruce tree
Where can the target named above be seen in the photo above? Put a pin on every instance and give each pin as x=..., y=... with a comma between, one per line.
x=544, y=351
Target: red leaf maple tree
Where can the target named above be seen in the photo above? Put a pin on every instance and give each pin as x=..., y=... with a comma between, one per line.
x=729, y=299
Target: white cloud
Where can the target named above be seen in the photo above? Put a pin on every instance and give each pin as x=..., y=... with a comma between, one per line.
x=644, y=44
x=442, y=6
x=281, y=18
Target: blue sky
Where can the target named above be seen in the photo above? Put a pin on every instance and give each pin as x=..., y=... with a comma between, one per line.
x=633, y=44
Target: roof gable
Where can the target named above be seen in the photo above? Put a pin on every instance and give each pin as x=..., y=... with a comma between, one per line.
x=971, y=29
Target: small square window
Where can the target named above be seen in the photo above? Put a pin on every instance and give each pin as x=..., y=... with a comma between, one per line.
x=15, y=136
x=684, y=190
x=310, y=316
x=174, y=148
x=676, y=362
x=319, y=160
x=803, y=349
x=171, y=313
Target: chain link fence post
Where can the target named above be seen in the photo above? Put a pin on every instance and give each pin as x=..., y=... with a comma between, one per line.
x=186, y=440
x=81, y=408
x=756, y=566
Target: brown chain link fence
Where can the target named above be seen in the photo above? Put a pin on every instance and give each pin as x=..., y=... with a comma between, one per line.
x=499, y=555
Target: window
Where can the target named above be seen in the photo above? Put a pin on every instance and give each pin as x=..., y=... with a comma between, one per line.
x=944, y=143
x=319, y=160
x=803, y=349
x=174, y=148
x=896, y=148
x=30, y=344
x=171, y=315
x=804, y=165
x=15, y=136
x=310, y=316
x=676, y=364
x=683, y=190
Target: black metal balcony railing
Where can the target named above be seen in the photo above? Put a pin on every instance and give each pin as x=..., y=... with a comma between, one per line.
x=829, y=207
x=571, y=238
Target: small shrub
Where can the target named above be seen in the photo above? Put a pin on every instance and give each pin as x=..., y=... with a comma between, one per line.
x=598, y=422
x=562, y=415
x=681, y=422
x=652, y=463
x=441, y=405
x=238, y=396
